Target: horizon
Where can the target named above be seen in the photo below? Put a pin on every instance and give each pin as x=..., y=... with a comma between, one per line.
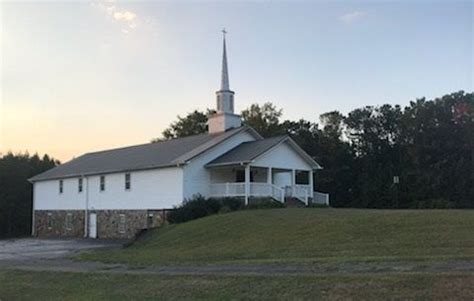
x=70, y=89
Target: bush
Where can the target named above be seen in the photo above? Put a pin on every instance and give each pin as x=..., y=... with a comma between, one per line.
x=264, y=203
x=233, y=204
x=435, y=204
x=199, y=206
x=195, y=208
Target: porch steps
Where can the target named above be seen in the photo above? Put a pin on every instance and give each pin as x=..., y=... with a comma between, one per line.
x=293, y=202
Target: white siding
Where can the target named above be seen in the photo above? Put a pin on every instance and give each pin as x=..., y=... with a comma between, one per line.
x=197, y=178
x=283, y=156
x=150, y=189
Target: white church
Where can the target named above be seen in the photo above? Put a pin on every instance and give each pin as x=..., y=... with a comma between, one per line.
x=117, y=193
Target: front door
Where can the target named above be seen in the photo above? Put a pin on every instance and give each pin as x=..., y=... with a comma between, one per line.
x=93, y=225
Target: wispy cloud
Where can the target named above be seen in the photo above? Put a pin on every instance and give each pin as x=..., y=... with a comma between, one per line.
x=353, y=16
x=127, y=19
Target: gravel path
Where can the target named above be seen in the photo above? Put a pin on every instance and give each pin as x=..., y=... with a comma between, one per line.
x=53, y=255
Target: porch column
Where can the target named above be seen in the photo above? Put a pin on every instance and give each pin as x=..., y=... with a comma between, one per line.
x=293, y=182
x=247, y=184
x=311, y=184
x=269, y=176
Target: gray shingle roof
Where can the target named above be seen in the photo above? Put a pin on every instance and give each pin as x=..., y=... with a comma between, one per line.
x=246, y=151
x=145, y=156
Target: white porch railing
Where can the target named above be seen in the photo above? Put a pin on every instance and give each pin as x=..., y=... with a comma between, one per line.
x=227, y=189
x=320, y=198
x=255, y=190
x=302, y=192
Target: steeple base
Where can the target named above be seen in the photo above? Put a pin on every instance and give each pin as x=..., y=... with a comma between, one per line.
x=222, y=121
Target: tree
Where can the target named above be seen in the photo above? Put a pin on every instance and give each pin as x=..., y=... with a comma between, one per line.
x=16, y=191
x=438, y=144
x=264, y=119
x=193, y=123
x=333, y=124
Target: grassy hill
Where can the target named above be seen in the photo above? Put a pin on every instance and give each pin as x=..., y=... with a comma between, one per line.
x=304, y=236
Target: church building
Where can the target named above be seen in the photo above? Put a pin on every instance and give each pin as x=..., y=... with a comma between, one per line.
x=117, y=193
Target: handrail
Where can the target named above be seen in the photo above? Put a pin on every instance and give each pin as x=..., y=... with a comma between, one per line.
x=320, y=198
x=257, y=189
x=302, y=192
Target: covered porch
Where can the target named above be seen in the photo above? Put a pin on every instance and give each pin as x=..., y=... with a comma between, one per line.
x=250, y=181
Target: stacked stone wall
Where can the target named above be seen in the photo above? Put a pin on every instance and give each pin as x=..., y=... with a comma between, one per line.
x=53, y=223
x=111, y=224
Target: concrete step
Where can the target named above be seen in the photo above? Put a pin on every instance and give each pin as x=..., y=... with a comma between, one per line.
x=293, y=202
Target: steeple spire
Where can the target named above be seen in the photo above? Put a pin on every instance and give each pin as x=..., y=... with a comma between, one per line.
x=225, y=74
x=224, y=118
x=225, y=97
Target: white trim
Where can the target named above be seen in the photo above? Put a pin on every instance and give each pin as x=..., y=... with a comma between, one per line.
x=86, y=210
x=247, y=184
x=33, y=226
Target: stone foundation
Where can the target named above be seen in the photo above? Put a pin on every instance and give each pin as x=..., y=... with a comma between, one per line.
x=110, y=223
x=53, y=223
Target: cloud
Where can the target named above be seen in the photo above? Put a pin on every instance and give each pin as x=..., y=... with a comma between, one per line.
x=128, y=20
x=126, y=16
x=353, y=16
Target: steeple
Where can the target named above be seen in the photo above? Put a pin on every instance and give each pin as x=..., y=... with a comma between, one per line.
x=225, y=74
x=225, y=118
x=225, y=97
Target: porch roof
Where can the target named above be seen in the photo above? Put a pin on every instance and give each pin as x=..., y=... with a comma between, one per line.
x=249, y=151
x=246, y=152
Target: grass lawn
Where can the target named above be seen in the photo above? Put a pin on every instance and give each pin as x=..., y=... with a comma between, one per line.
x=15, y=285
x=303, y=236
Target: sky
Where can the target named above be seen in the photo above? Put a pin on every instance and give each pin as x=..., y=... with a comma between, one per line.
x=84, y=76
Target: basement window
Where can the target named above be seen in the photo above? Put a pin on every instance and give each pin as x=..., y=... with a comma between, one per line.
x=102, y=183
x=79, y=185
x=69, y=221
x=50, y=221
x=60, y=186
x=127, y=181
x=121, y=225
x=149, y=220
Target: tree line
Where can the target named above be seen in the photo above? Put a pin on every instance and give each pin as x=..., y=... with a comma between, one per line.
x=16, y=191
x=419, y=156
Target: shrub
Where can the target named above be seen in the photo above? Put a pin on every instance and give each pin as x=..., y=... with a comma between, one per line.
x=199, y=206
x=194, y=208
x=233, y=204
x=435, y=204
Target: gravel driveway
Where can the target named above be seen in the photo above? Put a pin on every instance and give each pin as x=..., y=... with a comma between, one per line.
x=26, y=249
x=32, y=254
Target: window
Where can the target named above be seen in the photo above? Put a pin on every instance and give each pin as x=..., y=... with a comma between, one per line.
x=121, y=225
x=219, y=102
x=69, y=221
x=102, y=183
x=127, y=181
x=50, y=221
x=231, y=102
x=79, y=185
x=149, y=220
x=60, y=186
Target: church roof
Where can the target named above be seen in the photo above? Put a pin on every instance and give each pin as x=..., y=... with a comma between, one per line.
x=249, y=151
x=167, y=153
